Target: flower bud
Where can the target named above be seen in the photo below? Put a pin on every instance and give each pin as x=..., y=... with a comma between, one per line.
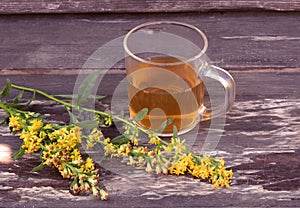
x=77, y=162
x=87, y=187
x=165, y=170
x=95, y=191
x=93, y=180
x=65, y=173
x=75, y=189
x=104, y=195
x=149, y=169
x=82, y=177
x=158, y=169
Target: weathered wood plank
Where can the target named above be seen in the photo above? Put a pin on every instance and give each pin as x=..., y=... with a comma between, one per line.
x=260, y=84
x=113, y=6
x=260, y=142
x=236, y=40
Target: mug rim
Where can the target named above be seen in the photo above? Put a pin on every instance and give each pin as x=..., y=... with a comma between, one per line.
x=136, y=28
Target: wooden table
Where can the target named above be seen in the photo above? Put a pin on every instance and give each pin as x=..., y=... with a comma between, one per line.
x=45, y=44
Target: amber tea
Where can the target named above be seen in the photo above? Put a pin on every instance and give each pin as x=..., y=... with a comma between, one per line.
x=167, y=91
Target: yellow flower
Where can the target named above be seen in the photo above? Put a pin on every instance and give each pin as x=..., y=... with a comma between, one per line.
x=95, y=137
x=43, y=135
x=61, y=132
x=142, y=149
x=66, y=173
x=221, y=161
x=106, y=141
x=53, y=148
x=90, y=145
x=57, y=162
x=199, y=171
x=46, y=155
x=88, y=165
x=182, y=164
x=134, y=141
x=66, y=138
x=29, y=114
x=48, y=126
x=109, y=149
x=51, y=136
x=177, y=168
x=14, y=119
x=225, y=177
x=154, y=140
x=108, y=121
x=76, y=132
x=206, y=160
x=25, y=135
x=14, y=123
x=75, y=155
x=36, y=125
x=32, y=144
x=216, y=185
x=124, y=149
x=168, y=149
x=178, y=145
x=187, y=159
x=70, y=141
x=229, y=174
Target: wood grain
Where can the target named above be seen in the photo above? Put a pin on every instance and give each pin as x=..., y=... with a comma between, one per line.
x=254, y=84
x=260, y=143
x=132, y=6
x=239, y=40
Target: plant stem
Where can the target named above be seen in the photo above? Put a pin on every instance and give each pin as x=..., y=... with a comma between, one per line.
x=5, y=108
x=75, y=170
x=51, y=97
x=69, y=105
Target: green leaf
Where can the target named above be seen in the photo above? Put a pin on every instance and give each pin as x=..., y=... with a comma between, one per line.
x=19, y=96
x=31, y=99
x=5, y=91
x=165, y=124
x=19, y=105
x=121, y=139
x=75, y=181
x=66, y=96
x=141, y=114
x=19, y=153
x=175, y=132
x=37, y=168
x=86, y=86
x=97, y=97
x=73, y=118
x=5, y=120
x=88, y=124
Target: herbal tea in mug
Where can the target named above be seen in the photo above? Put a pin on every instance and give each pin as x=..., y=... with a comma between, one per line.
x=170, y=92
x=166, y=66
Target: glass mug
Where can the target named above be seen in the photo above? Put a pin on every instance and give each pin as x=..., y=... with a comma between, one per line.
x=166, y=67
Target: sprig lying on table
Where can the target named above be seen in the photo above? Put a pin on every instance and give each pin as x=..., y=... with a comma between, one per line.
x=59, y=145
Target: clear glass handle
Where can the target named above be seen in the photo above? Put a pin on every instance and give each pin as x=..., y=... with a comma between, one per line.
x=228, y=83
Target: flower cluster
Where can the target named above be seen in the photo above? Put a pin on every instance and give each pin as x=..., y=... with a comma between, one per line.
x=59, y=148
x=172, y=157
x=204, y=167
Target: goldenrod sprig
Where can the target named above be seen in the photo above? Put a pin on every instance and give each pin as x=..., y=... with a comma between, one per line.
x=59, y=147
x=59, y=144
x=172, y=157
